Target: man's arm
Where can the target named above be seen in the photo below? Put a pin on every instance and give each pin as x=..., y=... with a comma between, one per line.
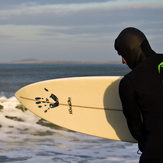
x=130, y=108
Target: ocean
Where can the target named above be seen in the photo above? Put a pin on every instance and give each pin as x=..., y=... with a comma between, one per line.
x=26, y=138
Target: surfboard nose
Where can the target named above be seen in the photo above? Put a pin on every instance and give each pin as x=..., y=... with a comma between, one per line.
x=18, y=94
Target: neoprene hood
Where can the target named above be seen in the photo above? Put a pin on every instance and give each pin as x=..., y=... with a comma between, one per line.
x=133, y=46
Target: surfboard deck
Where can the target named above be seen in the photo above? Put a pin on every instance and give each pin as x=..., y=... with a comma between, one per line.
x=88, y=105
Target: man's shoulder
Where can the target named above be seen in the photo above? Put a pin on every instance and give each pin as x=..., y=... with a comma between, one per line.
x=146, y=69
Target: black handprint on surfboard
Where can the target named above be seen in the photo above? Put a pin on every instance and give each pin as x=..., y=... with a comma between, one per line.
x=45, y=102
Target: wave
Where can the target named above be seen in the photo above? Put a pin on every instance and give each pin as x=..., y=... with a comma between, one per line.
x=15, y=118
x=26, y=137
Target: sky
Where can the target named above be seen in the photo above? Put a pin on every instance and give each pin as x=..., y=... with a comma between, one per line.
x=74, y=30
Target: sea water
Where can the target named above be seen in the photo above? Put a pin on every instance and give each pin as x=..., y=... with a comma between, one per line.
x=26, y=138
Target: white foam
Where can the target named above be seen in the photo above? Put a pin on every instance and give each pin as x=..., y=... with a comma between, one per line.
x=15, y=121
x=57, y=146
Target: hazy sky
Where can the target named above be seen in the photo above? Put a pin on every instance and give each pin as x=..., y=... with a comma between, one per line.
x=74, y=29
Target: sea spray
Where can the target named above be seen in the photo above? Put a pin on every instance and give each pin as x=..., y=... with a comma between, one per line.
x=15, y=118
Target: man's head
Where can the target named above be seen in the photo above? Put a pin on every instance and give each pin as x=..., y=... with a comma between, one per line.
x=133, y=46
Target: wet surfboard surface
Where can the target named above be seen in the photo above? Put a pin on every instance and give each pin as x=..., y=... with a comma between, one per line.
x=88, y=105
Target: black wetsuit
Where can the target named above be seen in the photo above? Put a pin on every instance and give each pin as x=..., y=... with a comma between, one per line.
x=141, y=92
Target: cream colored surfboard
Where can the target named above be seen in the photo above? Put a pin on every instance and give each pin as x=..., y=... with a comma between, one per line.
x=88, y=105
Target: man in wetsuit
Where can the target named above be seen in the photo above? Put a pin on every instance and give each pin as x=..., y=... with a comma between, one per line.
x=141, y=93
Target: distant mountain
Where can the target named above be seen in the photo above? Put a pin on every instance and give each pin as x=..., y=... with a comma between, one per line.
x=25, y=61
x=29, y=60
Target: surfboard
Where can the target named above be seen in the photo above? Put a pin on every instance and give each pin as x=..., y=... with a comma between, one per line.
x=89, y=105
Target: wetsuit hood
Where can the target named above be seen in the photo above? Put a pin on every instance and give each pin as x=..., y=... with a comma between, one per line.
x=133, y=46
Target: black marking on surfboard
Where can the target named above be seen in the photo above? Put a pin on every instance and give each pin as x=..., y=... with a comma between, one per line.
x=46, y=90
x=70, y=105
x=45, y=102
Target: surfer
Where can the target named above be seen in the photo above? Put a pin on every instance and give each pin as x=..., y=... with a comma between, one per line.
x=141, y=93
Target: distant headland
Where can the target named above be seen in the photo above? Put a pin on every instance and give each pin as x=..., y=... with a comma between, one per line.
x=34, y=61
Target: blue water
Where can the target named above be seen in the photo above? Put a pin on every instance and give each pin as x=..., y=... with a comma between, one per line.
x=14, y=76
x=25, y=138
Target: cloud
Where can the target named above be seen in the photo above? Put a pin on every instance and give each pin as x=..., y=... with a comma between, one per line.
x=8, y=4
x=85, y=33
x=43, y=2
x=79, y=17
